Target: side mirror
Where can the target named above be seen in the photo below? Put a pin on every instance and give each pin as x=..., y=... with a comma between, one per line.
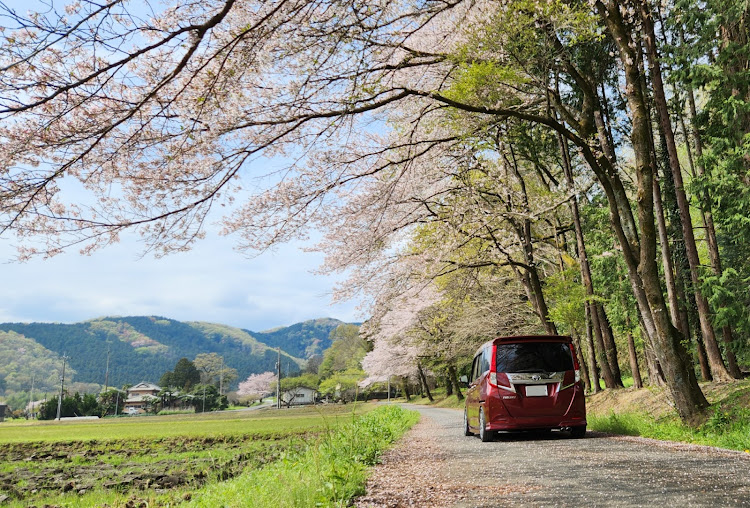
x=464, y=380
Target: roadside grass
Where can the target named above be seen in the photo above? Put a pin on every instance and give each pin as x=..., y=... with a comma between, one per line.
x=441, y=399
x=330, y=471
x=626, y=381
x=167, y=463
x=727, y=424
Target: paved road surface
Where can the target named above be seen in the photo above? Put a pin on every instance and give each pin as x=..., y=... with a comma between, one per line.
x=435, y=465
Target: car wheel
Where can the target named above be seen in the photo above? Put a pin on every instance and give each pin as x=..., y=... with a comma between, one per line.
x=578, y=432
x=484, y=434
x=467, y=430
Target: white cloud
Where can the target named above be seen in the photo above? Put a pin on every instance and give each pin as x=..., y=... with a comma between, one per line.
x=210, y=283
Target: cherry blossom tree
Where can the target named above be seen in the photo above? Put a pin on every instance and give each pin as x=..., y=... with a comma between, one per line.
x=258, y=384
x=163, y=115
x=160, y=115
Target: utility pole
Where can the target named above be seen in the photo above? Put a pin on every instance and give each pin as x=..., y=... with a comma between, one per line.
x=278, y=380
x=31, y=395
x=62, y=384
x=106, y=372
x=221, y=377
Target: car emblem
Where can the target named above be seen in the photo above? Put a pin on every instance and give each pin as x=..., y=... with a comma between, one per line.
x=536, y=377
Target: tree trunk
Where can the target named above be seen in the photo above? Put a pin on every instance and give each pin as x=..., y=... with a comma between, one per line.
x=709, y=227
x=405, y=388
x=637, y=381
x=679, y=316
x=644, y=274
x=423, y=379
x=686, y=308
x=454, y=379
x=542, y=309
x=597, y=317
x=610, y=346
x=632, y=352
x=448, y=386
x=581, y=362
x=601, y=349
x=531, y=276
x=655, y=373
x=718, y=370
x=593, y=369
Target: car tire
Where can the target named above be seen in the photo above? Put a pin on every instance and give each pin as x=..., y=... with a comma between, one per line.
x=484, y=434
x=578, y=432
x=467, y=430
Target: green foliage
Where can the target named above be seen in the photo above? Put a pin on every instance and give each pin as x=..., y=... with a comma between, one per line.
x=305, y=380
x=23, y=360
x=77, y=405
x=477, y=83
x=329, y=471
x=112, y=401
x=346, y=351
x=720, y=29
x=342, y=385
x=212, y=369
x=206, y=398
x=184, y=376
x=566, y=300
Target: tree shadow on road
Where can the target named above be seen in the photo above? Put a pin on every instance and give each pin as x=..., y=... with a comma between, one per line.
x=542, y=435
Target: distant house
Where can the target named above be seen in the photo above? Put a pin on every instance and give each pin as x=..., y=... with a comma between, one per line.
x=33, y=408
x=140, y=397
x=299, y=396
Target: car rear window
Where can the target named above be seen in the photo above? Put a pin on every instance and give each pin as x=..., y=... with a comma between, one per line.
x=534, y=357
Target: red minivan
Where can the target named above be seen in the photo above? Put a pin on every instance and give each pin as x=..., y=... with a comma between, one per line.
x=525, y=383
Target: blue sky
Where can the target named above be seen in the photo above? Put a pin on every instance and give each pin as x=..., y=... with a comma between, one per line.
x=212, y=283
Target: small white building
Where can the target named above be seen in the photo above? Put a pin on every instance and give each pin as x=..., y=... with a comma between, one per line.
x=299, y=396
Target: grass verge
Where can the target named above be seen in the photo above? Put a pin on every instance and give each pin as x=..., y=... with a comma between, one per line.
x=727, y=424
x=329, y=471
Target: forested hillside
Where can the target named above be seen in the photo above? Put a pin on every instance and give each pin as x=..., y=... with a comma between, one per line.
x=302, y=339
x=141, y=348
x=25, y=364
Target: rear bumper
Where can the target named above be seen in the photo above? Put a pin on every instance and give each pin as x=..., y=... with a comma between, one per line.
x=536, y=422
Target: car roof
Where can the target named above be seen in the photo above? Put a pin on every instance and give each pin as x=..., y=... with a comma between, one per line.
x=525, y=338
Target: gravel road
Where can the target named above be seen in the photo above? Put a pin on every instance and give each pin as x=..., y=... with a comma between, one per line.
x=435, y=465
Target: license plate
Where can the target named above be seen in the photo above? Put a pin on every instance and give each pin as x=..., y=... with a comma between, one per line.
x=536, y=390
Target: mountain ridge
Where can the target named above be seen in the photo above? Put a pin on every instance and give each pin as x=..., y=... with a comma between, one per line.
x=142, y=348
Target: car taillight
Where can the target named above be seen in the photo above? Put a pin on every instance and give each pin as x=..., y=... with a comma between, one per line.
x=493, y=378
